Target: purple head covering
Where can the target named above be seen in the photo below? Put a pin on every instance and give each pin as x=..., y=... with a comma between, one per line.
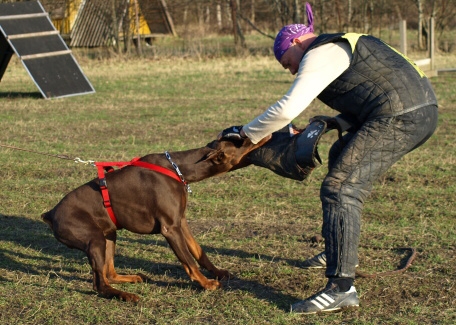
x=287, y=34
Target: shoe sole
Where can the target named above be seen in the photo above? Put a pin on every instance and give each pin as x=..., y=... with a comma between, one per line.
x=316, y=267
x=330, y=311
x=313, y=266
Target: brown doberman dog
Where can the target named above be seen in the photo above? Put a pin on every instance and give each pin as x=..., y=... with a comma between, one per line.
x=144, y=202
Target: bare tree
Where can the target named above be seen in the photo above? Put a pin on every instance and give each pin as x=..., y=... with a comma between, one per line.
x=219, y=16
x=367, y=16
x=126, y=31
x=349, y=14
x=297, y=11
x=239, y=39
x=115, y=26
x=445, y=13
x=421, y=43
x=264, y=16
x=252, y=11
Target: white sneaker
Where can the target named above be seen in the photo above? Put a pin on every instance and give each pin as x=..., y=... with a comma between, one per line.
x=316, y=262
x=329, y=299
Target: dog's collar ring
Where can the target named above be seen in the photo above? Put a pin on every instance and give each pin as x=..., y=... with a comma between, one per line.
x=176, y=168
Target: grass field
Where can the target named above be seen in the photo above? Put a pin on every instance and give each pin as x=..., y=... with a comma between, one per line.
x=251, y=222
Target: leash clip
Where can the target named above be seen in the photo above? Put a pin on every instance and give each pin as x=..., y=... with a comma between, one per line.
x=85, y=162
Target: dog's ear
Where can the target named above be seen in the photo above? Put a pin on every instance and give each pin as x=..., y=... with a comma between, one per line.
x=217, y=156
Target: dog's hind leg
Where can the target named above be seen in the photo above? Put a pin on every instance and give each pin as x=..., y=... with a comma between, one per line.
x=111, y=273
x=96, y=252
x=77, y=229
x=175, y=238
x=199, y=254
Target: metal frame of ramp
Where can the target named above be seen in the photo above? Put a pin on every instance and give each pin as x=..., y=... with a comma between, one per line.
x=27, y=30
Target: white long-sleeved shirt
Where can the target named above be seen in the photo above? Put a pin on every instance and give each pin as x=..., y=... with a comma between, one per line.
x=318, y=68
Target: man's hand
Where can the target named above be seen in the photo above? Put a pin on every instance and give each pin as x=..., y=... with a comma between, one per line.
x=233, y=133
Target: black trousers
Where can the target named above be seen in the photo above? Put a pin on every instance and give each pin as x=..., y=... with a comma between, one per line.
x=367, y=154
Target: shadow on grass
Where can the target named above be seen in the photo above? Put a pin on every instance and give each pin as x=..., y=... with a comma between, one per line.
x=261, y=291
x=35, y=237
x=19, y=94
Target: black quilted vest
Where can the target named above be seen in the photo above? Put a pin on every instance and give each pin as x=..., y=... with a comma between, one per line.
x=380, y=81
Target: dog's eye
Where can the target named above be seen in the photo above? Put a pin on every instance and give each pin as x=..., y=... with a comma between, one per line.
x=221, y=157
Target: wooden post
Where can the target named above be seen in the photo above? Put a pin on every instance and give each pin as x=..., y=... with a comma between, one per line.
x=403, y=36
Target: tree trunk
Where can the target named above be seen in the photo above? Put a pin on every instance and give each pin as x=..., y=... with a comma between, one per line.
x=322, y=13
x=281, y=9
x=219, y=16
x=138, y=36
x=349, y=15
x=364, y=18
x=238, y=24
x=126, y=29
x=419, y=4
x=297, y=12
x=233, y=6
x=228, y=12
x=185, y=15
x=239, y=39
x=200, y=14
x=338, y=15
x=114, y=27
x=252, y=11
x=371, y=14
x=208, y=16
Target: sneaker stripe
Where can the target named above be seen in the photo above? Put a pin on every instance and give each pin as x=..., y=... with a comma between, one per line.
x=328, y=298
x=317, y=304
x=323, y=301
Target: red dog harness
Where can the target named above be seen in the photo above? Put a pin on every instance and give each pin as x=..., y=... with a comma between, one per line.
x=103, y=167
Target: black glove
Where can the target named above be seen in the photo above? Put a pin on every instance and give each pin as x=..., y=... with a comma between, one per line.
x=233, y=133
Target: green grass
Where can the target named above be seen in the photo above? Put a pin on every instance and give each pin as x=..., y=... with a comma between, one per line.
x=251, y=222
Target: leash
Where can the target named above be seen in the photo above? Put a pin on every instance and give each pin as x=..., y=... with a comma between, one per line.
x=103, y=167
x=76, y=159
x=409, y=261
x=133, y=162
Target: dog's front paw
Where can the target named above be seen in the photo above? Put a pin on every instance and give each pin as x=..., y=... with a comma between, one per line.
x=109, y=292
x=128, y=297
x=212, y=285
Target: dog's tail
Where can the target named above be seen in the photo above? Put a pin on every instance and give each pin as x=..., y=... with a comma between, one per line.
x=47, y=217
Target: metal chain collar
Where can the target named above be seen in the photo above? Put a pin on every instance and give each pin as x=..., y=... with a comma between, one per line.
x=176, y=168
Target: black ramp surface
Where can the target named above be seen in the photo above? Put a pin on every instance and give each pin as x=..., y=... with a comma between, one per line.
x=42, y=44
x=13, y=27
x=25, y=29
x=21, y=8
x=58, y=75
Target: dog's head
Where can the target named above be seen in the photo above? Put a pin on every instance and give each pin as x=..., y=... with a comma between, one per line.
x=227, y=155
